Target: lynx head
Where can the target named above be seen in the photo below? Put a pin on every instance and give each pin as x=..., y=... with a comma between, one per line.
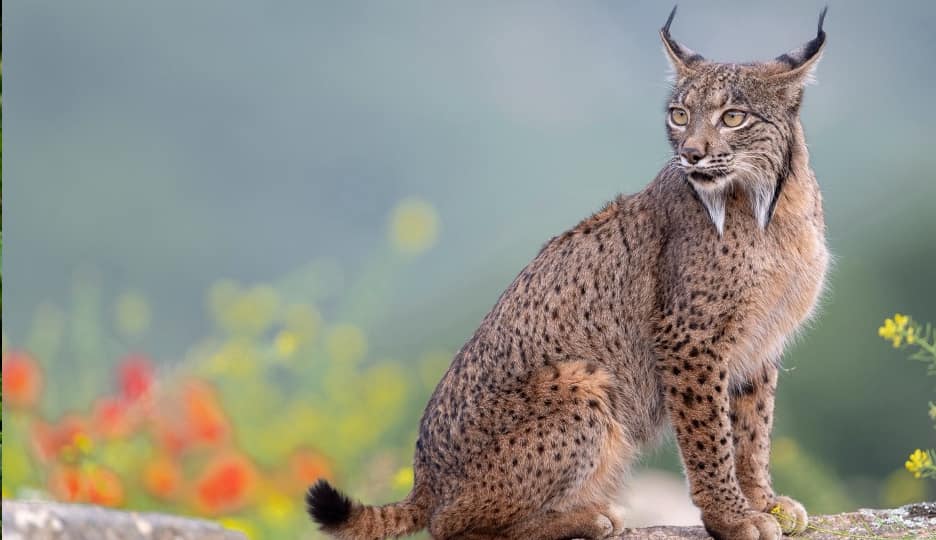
x=733, y=126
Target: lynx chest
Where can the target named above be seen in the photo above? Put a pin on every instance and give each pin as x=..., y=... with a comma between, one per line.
x=786, y=268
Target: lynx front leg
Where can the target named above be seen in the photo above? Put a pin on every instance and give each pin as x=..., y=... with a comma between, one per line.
x=751, y=421
x=697, y=400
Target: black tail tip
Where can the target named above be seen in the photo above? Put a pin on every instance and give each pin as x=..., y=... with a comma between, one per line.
x=327, y=506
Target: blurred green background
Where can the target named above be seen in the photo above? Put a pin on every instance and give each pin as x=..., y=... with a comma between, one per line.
x=294, y=213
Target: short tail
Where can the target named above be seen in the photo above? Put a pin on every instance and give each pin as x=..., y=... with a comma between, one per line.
x=343, y=518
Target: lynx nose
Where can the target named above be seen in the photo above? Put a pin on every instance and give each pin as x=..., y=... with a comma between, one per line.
x=692, y=155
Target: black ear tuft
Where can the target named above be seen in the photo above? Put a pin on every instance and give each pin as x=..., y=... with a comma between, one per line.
x=327, y=506
x=821, y=32
x=681, y=57
x=813, y=46
x=807, y=53
x=669, y=21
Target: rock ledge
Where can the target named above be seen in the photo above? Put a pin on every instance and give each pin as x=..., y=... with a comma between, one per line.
x=916, y=520
x=36, y=520
x=57, y=521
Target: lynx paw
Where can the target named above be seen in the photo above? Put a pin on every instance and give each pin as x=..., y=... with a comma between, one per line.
x=604, y=527
x=751, y=526
x=790, y=514
x=615, y=514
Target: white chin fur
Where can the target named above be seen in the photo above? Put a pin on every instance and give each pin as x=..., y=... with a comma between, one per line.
x=761, y=197
x=714, y=196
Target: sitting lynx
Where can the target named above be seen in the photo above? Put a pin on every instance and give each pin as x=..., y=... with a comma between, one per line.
x=668, y=307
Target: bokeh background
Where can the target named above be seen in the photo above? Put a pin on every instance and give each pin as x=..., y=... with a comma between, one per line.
x=243, y=239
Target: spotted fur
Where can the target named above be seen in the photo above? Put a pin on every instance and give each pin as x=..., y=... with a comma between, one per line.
x=669, y=307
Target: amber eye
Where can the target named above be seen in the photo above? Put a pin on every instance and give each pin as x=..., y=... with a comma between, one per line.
x=680, y=117
x=733, y=118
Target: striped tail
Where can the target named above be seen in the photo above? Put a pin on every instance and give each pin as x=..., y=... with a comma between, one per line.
x=343, y=518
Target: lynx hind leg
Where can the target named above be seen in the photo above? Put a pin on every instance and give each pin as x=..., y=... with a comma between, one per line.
x=591, y=442
x=588, y=523
x=591, y=522
x=559, y=465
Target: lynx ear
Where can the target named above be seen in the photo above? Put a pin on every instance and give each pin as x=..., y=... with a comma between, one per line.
x=682, y=58
x=795, y=68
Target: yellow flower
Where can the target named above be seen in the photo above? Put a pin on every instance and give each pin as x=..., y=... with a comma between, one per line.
x=277, y=508
x=897, y=329
x=244, y=312
x=286, y=343
x=787, y=522
x=414, y=226
x=79, y=447
x=132, y=313
x=918, y=462
x=889, y=330
x=240, y=525
x=83, y=443
x=901, y=320
x=403, y=478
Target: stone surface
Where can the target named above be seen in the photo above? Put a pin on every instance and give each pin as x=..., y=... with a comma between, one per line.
x=56, y=521
x=914, y=521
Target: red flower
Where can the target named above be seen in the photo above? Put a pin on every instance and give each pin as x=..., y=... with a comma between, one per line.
x=136, y=376
x=187, y=415
x=96, y=485
x=225, y=484
x=305, y=467
x=113, y=418
x=49, y=439
x=22, y=379
x=67, y=484
x=170, y=435
x=104, y=487
x=162, y=477
x=206, y=419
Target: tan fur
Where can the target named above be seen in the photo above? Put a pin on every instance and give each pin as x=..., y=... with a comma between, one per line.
x=651, y=313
